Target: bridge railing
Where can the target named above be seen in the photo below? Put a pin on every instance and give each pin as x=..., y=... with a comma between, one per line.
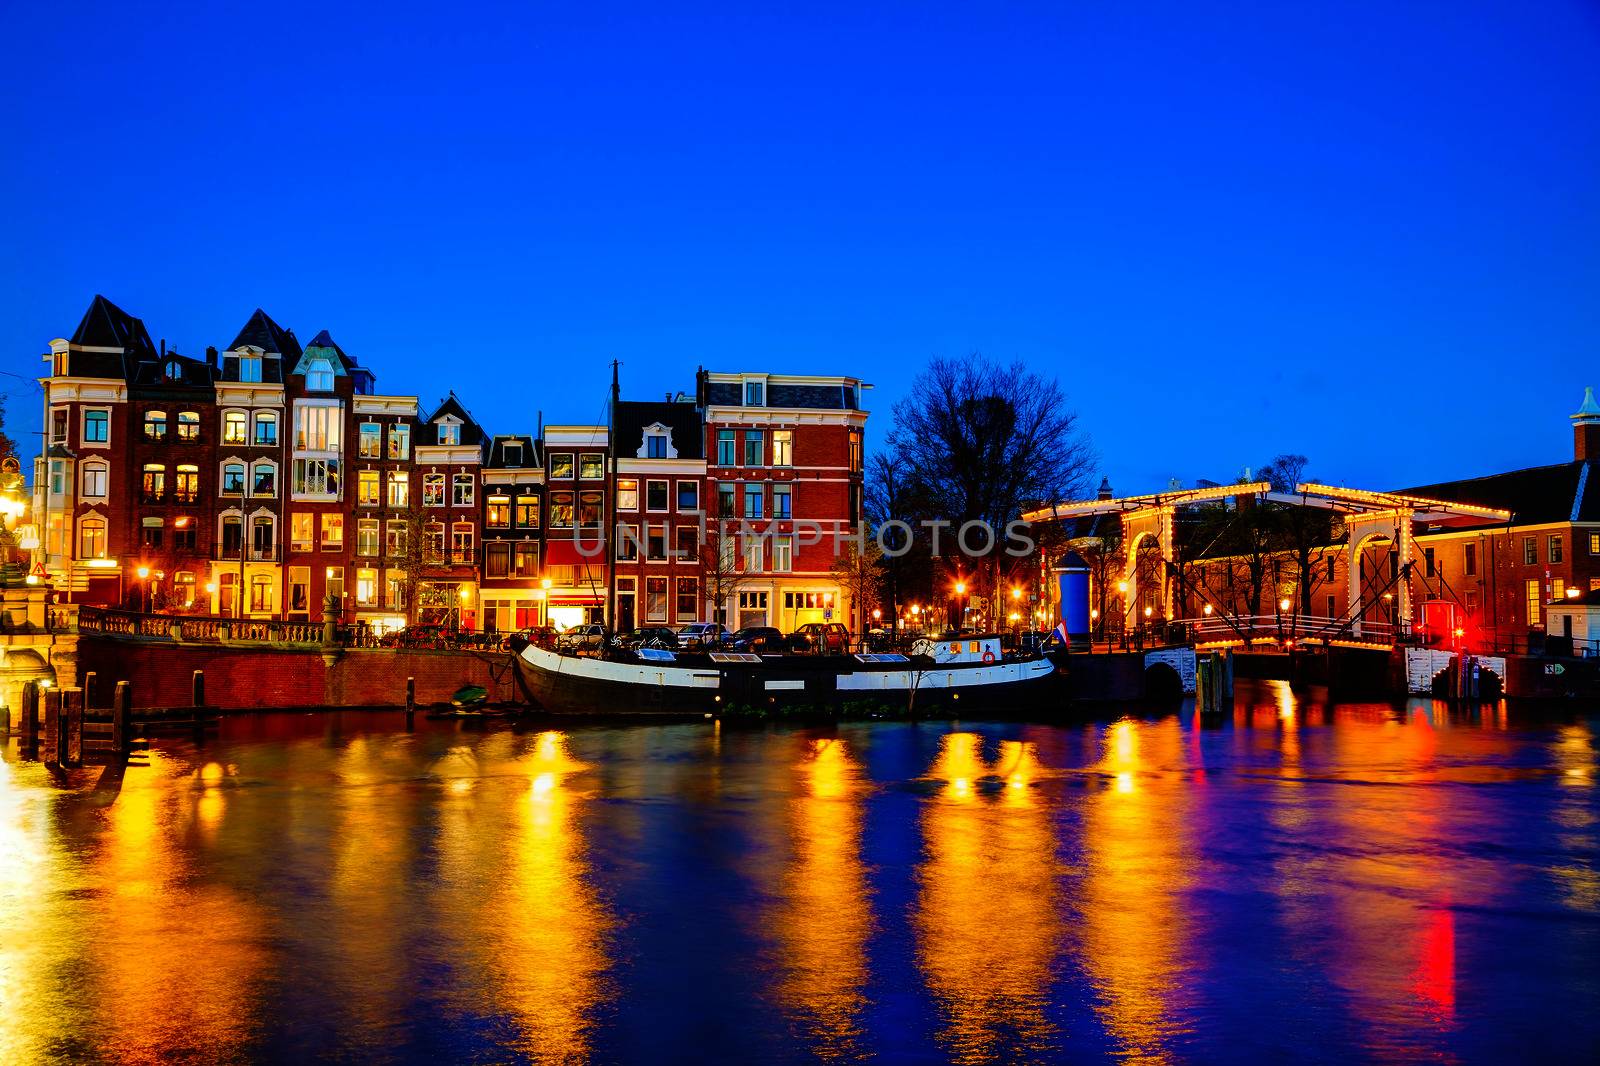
x=1278, y=628
x=195, y=629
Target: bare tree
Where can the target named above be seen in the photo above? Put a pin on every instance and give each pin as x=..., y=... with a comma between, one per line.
x=1301, y=532
x=858, y=573
x=980, y=442
x=722, y=567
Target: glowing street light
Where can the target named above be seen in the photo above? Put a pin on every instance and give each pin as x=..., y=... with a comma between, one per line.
x=1207, y=610
x=1016, y=594
x=961, y=588
x=1283, y=604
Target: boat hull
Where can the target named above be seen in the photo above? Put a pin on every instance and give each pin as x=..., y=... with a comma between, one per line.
x=570, y=684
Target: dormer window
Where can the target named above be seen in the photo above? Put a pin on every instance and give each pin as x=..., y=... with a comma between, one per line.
x=655, y=446
x=513, y=455
x=174, y=371
x=755, y=393
x=449, y=433
x=319, y=376
x=249, y=367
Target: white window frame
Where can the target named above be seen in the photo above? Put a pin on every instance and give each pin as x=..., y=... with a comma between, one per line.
x=83, y=427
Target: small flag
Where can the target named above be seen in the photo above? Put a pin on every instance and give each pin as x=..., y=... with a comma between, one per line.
x=1061, y=631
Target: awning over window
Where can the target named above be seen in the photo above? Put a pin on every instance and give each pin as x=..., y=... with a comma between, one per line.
x=590, y=553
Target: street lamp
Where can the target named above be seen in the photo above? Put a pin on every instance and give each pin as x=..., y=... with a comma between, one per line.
x=144, y=589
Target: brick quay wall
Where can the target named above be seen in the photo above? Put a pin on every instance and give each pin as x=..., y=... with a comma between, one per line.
x=265, y=678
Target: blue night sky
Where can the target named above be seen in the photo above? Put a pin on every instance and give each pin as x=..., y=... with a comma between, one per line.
x=1365, y=232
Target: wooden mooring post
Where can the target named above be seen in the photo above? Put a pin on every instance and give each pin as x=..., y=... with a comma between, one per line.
x=30, y=720
x=72, y=727
x=197, y=689
x=91, y=689
x=411, y=702
x=121, y=706
x=52, y=727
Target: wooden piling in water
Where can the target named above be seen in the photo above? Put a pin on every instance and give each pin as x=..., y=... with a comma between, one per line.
x=72, y=727
x=91, y=684
x=30, y=720
x=52, y=727
x=411, y=702
x=121, y=705
x=197, y=689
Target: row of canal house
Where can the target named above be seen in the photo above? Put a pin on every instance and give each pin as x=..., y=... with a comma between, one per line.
x=273, y=480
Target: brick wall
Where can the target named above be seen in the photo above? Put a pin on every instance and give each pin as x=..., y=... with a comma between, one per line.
x=260, y=678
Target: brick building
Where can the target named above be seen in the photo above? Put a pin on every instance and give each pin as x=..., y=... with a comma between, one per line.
x=575, y=479
x=784, y=458
x=449, y=467
x=660, y=517
x=513, y=508
x=271, y=480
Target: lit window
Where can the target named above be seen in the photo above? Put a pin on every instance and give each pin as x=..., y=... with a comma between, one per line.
x=302, y=535
x=155, y=425
x=367, y=482
x=783, y=447
x=591, y=466
x=627, y=494
x=233, y=479
x=94, y=479
x=528, y=512
x=399, y=441
x=369, y=442
x=316, y=477
x=589, y=510
x=399, y=488
x=561, y=465
x=332, y=531
x=367, y=533
x=92, y=538
x=319, y=376
x=433, y=490
x=449, y=433
x=498, y=513
x=463, y=490
x=561, y=510
x=782, y=554
x=233, y=427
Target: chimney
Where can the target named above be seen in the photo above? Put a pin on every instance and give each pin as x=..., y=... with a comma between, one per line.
x=1105, y=492
x=1586, y=428
x=211, y=356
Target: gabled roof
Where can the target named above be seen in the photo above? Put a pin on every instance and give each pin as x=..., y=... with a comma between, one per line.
x=471, y=432
x=632, y=416
x=105, y=325
x=324, y=339
x=497, y=452
x=262, y=332
x=1564, y=492
x=190, y=372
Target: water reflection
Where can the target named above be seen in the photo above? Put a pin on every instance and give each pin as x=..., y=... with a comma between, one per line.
x=988, y=916
x=1138, y=862
x=1405, y=882
x=533, y=934
x=824, y=915
x=179, y=960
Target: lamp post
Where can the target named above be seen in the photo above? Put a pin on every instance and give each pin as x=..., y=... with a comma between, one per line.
x=144, y=589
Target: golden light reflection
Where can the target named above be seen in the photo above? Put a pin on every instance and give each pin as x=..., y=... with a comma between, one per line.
x=824, y=916
x=179, y=958
x=533, y=929
x=1138, y=862
x=987, y=921
x=1574, y=752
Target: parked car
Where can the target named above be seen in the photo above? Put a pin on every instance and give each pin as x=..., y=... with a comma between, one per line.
x=762, y=640
x=651, y=637
x=589, y=637
x=705, y=635
x=820, y=638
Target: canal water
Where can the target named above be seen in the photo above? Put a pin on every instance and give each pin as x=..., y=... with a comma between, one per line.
x=1328, y=883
